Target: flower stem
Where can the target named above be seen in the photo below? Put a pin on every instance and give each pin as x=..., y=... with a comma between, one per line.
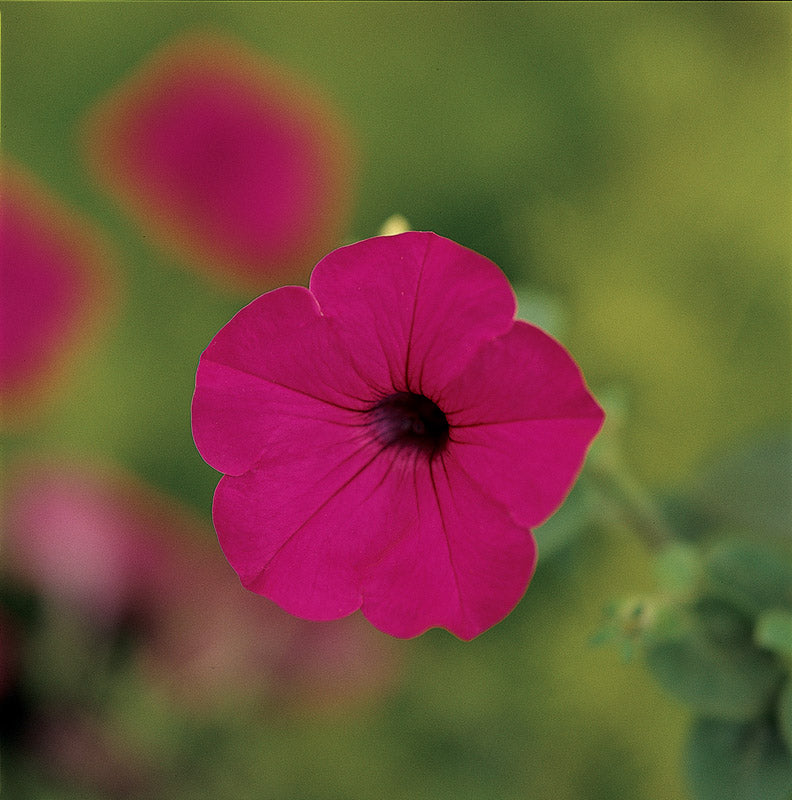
x=627, y=497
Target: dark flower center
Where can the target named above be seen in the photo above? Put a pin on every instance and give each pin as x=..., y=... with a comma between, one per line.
x=410, y=420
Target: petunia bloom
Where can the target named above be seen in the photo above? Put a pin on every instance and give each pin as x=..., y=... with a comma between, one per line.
x=389, y=437
x=225, y=159
x=56, y=288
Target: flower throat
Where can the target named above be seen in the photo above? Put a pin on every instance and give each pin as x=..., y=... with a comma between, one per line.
x=410, y=420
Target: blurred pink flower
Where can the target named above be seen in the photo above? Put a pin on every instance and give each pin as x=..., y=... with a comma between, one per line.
x=226, y=159
x=115, y=552
x=88, y=539
x=218, y=644
x=390, y=437
x=55, y=291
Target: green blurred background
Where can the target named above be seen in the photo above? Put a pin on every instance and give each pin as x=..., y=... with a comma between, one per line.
x=632, y=161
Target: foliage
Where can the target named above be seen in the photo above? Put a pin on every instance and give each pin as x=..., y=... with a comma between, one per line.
x=719, y=640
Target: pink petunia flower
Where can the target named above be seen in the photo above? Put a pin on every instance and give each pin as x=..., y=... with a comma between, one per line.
x=55, y=288
x=225, y=159
x=390, y=437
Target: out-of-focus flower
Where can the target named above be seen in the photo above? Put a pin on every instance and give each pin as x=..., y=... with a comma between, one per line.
x=390, y=437
x=87, y=539
x=99, y=544
x=328, y=664
x=226, y=159
x=54, y=292
x=214, y=642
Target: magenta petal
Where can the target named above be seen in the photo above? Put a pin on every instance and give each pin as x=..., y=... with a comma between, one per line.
x=304, y=524
x=464, y=566
x=522, y=420
x=414, y=307
x=269, y=365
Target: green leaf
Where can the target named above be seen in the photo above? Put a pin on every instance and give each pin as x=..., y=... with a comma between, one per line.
x=677, y=567
x=774, y=631
x=738, y=761
x=709, y=662
x=749, y=488
x=751, y=575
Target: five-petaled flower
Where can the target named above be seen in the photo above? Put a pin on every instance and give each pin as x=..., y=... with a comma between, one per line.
x=389, y=438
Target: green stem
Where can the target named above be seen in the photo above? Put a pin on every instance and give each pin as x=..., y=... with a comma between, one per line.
x=631, y=501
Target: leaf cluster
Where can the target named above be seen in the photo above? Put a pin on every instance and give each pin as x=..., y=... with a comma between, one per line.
x=717, y=636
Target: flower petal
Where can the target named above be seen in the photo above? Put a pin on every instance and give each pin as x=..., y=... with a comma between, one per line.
x=464, y=565
x=273, y=360
x=302, y=526
x=415, y=307
x=522, y=420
